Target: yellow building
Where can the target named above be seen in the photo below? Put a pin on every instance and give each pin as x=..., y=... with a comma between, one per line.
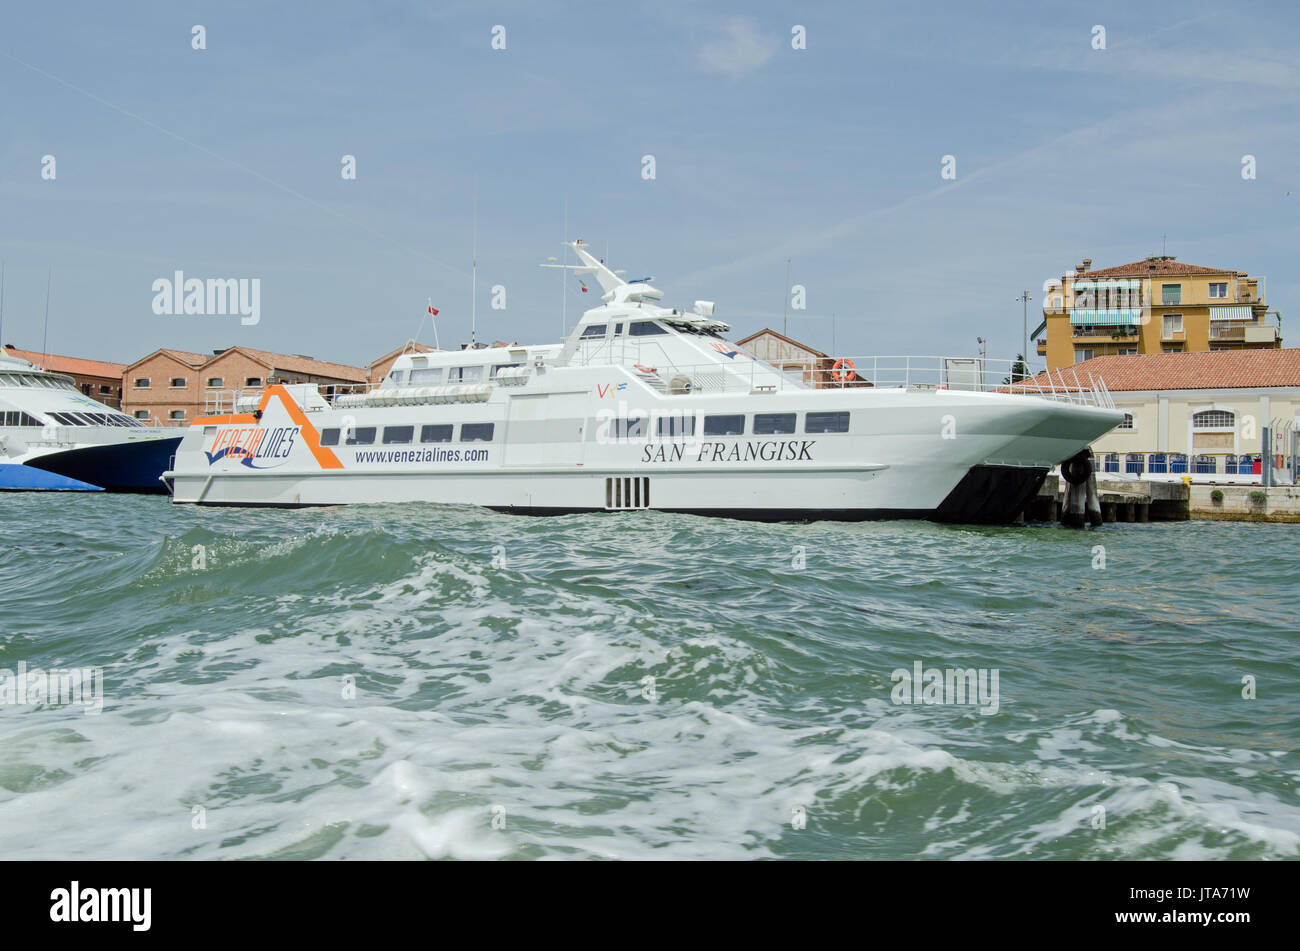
x=1157, y=305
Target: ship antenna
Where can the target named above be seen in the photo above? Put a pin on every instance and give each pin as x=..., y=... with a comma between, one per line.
x=564, y=283
x=45, y=342
x=473, y=312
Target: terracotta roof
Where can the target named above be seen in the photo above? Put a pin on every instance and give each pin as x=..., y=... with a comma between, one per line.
x=1217, y=369
x=779, y=336
x=404, y=348
x=297, y=364
x=1149, y=267
x=74, y=365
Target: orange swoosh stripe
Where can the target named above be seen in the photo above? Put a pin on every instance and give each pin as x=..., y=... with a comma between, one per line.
x=325, y=457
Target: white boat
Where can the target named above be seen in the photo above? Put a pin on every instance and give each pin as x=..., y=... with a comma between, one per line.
x=53, y=437
x=643, y=406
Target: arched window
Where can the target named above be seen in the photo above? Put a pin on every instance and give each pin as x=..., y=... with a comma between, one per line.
x=1127, y=423
x=1112, y=462
x=1134, y=462
x=1157, y=462
x=1214, y=419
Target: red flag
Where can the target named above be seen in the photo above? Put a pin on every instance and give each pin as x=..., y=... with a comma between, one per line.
x=433, y=310
x=584, y=287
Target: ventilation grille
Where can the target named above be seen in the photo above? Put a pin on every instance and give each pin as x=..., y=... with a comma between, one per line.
x=627, y=492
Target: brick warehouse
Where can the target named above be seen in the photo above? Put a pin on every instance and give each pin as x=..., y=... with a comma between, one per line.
x=172, y=387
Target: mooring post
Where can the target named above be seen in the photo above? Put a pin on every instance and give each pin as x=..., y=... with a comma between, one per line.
x=1093, y=502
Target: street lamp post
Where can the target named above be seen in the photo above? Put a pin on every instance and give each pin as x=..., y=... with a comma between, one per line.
x=1024, y=299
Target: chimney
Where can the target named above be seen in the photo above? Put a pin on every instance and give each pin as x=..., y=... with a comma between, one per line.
x=1087, y=264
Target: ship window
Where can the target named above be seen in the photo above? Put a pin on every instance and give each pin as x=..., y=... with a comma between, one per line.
x=361, y=436
x=677, y=426
x=440, y=432
x=826, y=423
x=216, y=381
x=724, y=425
x=398, y=435
x=86, y=418
x=329, y=437
x=476, y=432
x=618, y=329
x=629, y=428
x=398, y=376
x=142, y=383
x=426, y=377
x=464, y=374
x=595, y=330
x=773, y=424
x=645, y=328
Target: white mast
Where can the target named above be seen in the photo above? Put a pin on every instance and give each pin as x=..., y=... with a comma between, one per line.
x=473, y=319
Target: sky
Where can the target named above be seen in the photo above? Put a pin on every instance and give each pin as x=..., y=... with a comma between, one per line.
x=226, y=162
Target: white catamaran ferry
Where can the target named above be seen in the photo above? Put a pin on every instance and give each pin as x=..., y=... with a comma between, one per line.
x=649, y=407
x=53, y=437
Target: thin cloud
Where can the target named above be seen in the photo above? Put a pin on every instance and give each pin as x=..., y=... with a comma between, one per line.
x=740, y=51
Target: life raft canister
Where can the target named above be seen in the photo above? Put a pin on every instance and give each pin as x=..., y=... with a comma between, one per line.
x=843, y=371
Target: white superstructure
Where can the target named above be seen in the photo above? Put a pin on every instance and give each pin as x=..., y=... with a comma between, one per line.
x=647, y=407
x=48, y=425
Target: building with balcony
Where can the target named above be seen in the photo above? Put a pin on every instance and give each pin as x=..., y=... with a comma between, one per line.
x=1157, y=305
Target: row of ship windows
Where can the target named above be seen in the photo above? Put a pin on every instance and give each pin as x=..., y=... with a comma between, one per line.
x=637, y=328
x=19, y=418
x=765, y=424
x=31, y=379
x=94, y=419
x=432, y=376
x=405, y=435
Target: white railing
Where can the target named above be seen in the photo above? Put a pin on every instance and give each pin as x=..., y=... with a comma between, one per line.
x=970, y=374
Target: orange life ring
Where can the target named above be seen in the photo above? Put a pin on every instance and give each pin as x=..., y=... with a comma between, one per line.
x=646, y=369
x=843, y=371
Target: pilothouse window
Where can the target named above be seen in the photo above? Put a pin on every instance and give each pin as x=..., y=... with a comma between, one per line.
x=645, y=328
x=595, y=330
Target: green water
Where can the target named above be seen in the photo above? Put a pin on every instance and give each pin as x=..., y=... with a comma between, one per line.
x=423, y=681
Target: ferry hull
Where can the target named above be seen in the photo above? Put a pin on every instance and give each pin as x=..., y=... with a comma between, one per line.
x=116, y=467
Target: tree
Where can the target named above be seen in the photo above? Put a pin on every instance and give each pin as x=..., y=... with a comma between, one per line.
x=1019, y=371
